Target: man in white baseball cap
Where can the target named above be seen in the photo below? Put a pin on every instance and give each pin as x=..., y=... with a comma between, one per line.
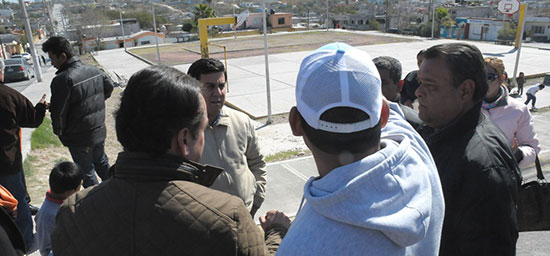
x=378, y=191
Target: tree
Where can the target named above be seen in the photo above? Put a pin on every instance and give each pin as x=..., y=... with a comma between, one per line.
x=93, y=22
x=507, y=32
x=187, y=27
x=202, y=11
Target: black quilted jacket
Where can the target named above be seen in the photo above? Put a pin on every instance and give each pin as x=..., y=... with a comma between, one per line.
x=77, y=104
x=155, y=207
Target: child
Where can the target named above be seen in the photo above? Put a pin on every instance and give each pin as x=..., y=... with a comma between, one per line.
x=521, y=81
x=65, y=180
x=531, y=95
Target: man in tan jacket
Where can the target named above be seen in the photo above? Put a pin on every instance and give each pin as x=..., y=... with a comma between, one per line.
x=158, y=202
x=230, y=139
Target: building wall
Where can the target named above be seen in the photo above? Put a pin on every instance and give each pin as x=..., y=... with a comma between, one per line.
x=539, y=28
x=484, y=29
x=277, y=18
x=253, y=21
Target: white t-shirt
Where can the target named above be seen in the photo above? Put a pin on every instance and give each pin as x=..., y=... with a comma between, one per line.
x=534, y=89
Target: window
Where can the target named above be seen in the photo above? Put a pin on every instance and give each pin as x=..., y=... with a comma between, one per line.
x=537, y=29
x=145, y=42
x=345, y=22
x=360, y=22
x=352, y=22
x=281, y=21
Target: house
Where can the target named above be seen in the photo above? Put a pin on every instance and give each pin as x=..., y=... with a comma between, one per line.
x=482, y=29
x=280, y=20
x=136, y=39
x=538, y=27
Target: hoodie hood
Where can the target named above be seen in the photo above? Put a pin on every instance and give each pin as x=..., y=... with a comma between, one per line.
x=387, y=191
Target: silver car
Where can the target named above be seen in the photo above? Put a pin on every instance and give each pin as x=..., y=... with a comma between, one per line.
x=18, y=69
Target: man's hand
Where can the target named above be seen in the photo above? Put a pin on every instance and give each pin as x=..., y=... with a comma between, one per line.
x=274, y=217
x=43, y=101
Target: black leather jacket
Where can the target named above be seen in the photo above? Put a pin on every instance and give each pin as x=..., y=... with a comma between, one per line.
x=480, y=180
x=77, y=105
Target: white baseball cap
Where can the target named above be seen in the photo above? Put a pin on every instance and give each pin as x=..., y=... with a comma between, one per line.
x=338, y=75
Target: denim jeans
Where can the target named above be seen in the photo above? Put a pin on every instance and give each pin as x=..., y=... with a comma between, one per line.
x=529, y=98
x=91, y=160
x=15, y=184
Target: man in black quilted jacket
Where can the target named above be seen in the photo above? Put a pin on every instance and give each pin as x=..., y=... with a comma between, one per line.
x=159, y=202
x=77, y=108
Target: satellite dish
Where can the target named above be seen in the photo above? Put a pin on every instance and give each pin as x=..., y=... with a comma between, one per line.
x=241, y=18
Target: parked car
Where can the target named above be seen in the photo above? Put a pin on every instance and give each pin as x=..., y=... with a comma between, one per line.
x=27, y=56
x=18, y=69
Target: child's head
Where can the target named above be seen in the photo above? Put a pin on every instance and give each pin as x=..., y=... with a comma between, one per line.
x=65, y=179
x=541, y=86
x=521, y=74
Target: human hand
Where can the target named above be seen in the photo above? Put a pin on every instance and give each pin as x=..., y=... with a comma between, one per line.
x=43, y=101
x=515, y=145
x=274, y=217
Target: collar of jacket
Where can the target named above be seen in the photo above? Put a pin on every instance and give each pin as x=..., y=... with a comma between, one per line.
x=67, y=64
x=142, y=166
x=456, y=128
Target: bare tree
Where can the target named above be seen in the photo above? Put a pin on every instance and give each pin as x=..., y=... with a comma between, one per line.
x=93, y=25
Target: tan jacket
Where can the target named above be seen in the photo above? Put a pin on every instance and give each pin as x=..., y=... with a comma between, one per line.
x=232, y=144
x=156, y=207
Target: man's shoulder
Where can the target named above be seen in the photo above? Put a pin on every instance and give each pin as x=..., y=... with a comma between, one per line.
x=236, y=117
x=209, y=198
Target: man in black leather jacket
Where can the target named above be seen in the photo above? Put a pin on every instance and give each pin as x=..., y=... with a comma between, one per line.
x=478, y=173
x=77, y=108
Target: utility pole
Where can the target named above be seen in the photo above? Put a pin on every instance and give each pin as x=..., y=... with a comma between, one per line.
x=50, y=16
x=433, y=17
x=155, y=30
x=122, y=27
x=28, y=31
x=268, y=87
x=327, y=16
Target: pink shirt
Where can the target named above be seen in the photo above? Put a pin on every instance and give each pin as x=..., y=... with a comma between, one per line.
x=514, y=119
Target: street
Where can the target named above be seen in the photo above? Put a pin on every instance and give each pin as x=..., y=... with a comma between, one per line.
x=21, y=85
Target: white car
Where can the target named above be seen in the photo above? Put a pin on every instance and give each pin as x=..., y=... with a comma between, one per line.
x=25, y=55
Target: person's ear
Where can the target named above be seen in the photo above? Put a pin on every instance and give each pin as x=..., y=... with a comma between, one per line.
x=385, y=114
x=400, y=85
x=183, y=139
x=63, y=57
x=466, y=90
x=295, y=122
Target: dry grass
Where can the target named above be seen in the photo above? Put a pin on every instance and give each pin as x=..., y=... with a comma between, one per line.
x=40, y=161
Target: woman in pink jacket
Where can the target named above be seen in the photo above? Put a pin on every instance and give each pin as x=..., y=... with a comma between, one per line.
x=510, y=115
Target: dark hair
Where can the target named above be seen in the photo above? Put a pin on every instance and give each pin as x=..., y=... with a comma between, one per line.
x=420, y=53
x=158, y=102
x=206, y=66
x=64, y=177
x=58, y=45
x=464, y=62
x=541, y=86
x=338, y=143
x=391, y=64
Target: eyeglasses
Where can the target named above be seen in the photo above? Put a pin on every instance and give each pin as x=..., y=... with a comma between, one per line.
x=491, y=77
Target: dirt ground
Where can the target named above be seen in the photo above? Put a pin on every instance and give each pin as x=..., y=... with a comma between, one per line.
x=45, y=159
x=188, y=52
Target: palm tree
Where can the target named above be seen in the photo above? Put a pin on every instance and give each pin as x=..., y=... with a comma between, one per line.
x=203, y=11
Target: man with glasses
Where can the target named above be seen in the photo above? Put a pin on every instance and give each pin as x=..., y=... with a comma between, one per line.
x=479, y=175
x=230, y=139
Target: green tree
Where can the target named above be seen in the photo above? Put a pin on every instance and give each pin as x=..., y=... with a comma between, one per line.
x=507, y=32
x=202, y=11
x=374, y=24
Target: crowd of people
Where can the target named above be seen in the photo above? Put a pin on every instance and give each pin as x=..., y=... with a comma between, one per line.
x=442, y=179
